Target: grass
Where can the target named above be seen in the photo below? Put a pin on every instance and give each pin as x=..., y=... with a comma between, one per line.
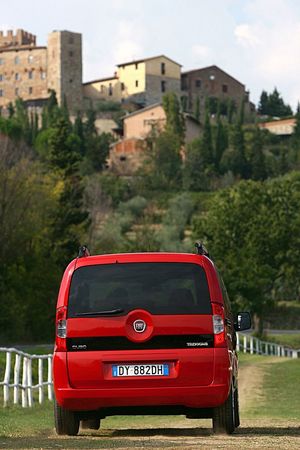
x=288, y=340
x=278, y=396
x=277, y=401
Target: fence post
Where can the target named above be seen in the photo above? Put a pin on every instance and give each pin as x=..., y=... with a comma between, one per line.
x=40, y=381
x=7, y=379
x=245, y=343
x=50, y=395
x=29, y=382
x=251, y=344
x=17, y=378
x=237, y=342
x=24, y=383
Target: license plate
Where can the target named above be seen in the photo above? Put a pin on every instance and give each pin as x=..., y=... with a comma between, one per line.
x=140, y=370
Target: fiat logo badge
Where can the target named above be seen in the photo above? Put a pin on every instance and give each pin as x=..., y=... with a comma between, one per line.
x=139, y=326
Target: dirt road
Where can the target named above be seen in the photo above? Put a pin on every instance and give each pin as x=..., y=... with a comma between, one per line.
x=178, y=432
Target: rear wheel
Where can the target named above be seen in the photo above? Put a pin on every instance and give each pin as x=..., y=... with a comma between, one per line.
x=224, y=416
x=92, y=424
x=236, y=409
x=66, y=421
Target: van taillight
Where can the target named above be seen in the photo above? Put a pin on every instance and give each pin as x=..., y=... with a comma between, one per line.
x=61, y=329
x=218, y=325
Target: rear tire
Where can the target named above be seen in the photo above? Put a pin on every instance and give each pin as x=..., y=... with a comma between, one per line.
x=236, y=409
x=66, y=421
x=224, y=416
x=92, y=424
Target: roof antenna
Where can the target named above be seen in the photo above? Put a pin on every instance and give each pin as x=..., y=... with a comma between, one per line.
x=201, y=249
x=83, y=252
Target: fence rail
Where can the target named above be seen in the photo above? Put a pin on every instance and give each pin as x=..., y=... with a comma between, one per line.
x=18, y=374
x=250, y=344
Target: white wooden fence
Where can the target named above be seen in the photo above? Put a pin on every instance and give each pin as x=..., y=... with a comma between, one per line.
x=18, y=370
x=250, y=344
x=18, y=376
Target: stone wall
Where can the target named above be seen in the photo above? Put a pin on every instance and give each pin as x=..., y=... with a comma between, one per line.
x=65, y=67
x=23, y=73
x=154, y=92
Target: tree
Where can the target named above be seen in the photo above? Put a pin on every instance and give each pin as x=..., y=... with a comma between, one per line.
x=71, y=219
x=273, y=105
x=162, y=168
x=257, y=158
x=174, y=117
x=251, y=233
x=27, y=202
x=263, y=103
x=197, y=109
x=221, y=142
x=207, y=151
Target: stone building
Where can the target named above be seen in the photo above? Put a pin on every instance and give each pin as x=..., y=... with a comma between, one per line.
x=143, y=82
x=211, y=82
x=127, y=155
x=29, y=71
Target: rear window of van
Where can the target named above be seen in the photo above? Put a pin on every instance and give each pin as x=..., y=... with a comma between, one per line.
x=160, y=288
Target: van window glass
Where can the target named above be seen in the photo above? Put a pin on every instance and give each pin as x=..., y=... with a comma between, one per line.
x=160, y=288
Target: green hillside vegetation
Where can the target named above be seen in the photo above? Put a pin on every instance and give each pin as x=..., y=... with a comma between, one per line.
x=237, y=188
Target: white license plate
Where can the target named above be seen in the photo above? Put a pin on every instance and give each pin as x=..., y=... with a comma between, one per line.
x=140, y=370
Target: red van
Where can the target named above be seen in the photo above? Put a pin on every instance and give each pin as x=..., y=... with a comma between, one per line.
x=145, y=333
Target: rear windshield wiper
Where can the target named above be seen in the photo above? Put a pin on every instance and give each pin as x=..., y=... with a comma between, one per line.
x=101, y=313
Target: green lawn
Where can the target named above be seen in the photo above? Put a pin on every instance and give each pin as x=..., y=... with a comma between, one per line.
x=278, y=399
x=288, y=340
x=278, y=396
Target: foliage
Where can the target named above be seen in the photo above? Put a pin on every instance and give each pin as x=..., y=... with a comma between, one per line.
x=251, y=231
x=175, y=120
x=273, y=105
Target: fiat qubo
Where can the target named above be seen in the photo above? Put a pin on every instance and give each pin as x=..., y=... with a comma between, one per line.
x=145, y=333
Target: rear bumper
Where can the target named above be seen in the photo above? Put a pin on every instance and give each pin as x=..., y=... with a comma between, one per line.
x=92, y=399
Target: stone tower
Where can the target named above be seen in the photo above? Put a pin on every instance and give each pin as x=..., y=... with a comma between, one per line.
x=65, y=68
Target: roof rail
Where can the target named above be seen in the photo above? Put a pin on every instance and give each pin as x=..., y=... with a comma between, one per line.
x=83, y=251
x=201, y=249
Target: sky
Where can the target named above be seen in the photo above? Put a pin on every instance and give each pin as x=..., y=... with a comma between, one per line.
x=255, y=41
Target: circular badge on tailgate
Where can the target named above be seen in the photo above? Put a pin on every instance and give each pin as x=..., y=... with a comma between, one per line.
x=139, y=326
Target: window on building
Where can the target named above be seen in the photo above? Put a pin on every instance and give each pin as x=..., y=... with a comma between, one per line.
x=71, y=80
x=1, y=77
x=43, y=75
x=224, y=88
x=102, y=88
x=110, y=89
x=17, y=91
x=136, y=66
x=198, y=83
x=163, y=86
x=71, y=40
x=163, y=68
x=30, y=58
x=71, y=53
x=136, y=83
x=122, y=87
x=30, y=90
x=17, y=76
x=30, y=75
x=184, y=84
x=1, y=92
x=212, y=77
x=1, y=61
x=17, y=60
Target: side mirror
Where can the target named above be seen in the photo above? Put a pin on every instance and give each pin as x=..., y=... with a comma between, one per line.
x=242, y=322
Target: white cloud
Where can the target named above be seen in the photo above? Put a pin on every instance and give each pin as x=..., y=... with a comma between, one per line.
x=201, y=51
x=127, y=50
x=246, y=36
x=128, y=42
